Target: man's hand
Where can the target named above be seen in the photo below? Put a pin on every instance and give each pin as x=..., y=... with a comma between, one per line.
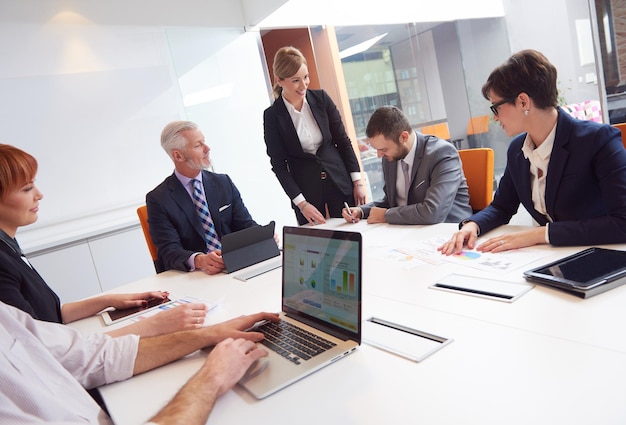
x=211, y=263
x=377, y=215
x=239, y=327
x=355, y=217
x=222, y=369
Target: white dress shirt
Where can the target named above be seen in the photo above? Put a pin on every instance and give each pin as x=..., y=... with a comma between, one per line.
x=539, y=158
x=306, y=127
x=309, y=134
x=44, y=368
x=401, y=190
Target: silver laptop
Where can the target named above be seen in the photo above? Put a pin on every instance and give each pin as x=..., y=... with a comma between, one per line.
x=321, y=298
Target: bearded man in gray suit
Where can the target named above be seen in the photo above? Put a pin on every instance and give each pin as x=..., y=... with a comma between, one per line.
x=424, y=180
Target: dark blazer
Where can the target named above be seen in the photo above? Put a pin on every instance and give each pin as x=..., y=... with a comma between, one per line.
x=174, y=224
x=585, y=185
x=22, y=287
x=438, y=190
x=298, y=171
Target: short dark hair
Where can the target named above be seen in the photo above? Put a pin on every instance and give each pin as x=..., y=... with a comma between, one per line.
x=389, y=121
x=527, y=71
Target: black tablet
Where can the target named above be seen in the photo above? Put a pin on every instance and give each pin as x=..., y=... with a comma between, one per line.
x=249, y=246
x=582, y=271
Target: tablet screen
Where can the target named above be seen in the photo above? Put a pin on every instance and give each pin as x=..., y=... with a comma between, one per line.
x=587, y=267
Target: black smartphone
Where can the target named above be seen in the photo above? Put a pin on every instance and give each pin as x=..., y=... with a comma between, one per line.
x=113, y=316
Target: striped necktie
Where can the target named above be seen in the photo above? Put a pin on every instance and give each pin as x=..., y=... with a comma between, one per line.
x=212, y=241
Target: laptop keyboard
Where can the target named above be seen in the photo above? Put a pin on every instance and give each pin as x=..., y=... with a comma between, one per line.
x=292, y=342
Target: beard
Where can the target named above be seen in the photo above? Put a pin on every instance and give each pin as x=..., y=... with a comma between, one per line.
x=401, y=154
x=198, y=164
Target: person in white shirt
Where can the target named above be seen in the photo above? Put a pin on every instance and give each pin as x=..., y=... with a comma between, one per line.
x=45, y=367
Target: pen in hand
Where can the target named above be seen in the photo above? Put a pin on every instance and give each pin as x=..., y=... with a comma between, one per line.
x=345, y=204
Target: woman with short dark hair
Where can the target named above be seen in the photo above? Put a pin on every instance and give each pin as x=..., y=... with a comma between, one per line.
x=569, y=174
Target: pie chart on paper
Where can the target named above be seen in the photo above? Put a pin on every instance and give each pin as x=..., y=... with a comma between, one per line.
x=469, y=255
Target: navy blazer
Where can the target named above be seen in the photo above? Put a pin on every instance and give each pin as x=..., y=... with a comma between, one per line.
x=585, y=185
x=298, y=171
x=174, y=224
x=22, y=287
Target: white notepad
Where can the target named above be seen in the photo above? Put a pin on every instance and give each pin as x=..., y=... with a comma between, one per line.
x=401, y=340
x=264, y=267
x=499, y=290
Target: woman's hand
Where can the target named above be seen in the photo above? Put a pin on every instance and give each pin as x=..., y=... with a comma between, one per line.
x=514, y=240
x=179, y=318
x=465, y=237
x=122, y=301
x=311, y=213
x=183, y=317
x=359, y=193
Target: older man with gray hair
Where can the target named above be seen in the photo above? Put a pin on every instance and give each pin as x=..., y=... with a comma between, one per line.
x=192, y=209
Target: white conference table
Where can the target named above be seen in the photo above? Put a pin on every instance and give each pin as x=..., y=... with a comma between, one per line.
x=548, y=357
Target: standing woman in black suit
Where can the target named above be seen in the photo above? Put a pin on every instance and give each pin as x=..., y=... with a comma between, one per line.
x=308, y=147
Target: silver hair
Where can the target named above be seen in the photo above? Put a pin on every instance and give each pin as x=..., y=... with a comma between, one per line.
x=171, y=137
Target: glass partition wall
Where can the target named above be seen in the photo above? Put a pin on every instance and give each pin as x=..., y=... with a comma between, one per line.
x=433, y=72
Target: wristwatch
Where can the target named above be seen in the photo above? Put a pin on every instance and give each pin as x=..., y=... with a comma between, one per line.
x=464, y=222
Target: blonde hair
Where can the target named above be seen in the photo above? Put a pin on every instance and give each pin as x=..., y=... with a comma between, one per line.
x=287, y=61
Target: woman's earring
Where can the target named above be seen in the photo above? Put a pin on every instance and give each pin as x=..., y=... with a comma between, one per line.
x=526, y=112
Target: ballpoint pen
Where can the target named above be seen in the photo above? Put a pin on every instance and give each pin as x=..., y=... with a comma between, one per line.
x=345, y=204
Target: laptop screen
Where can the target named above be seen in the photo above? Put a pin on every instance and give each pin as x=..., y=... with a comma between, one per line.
x=322, y=277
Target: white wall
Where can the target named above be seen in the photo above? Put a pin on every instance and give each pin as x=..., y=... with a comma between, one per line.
x=88, y=97
x=550, y=27
x=224, y=89
x=87, y=89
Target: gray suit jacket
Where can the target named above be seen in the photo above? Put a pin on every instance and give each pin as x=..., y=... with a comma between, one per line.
x=438, y=190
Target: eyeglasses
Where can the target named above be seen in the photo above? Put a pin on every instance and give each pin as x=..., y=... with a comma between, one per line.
x=495, y=106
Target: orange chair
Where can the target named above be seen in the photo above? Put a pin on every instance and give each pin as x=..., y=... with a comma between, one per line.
x=477, y=129
x=478, y=125
x=622, y=127
x=142, y=212
x=442, y=131
x=478, y=169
